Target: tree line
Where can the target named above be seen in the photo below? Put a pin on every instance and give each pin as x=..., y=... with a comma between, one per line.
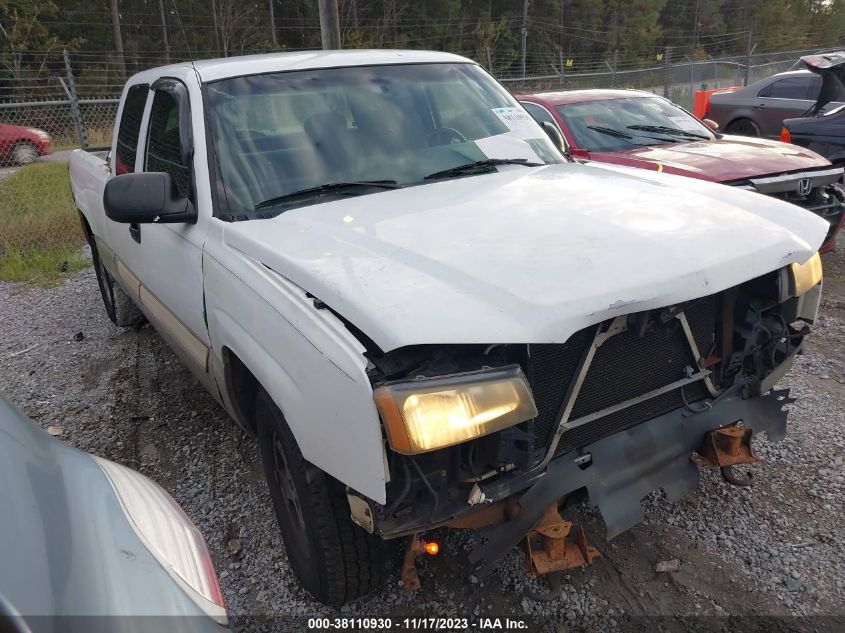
x=123, y=36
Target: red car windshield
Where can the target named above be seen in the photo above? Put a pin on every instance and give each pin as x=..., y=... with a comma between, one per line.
x=614, y=125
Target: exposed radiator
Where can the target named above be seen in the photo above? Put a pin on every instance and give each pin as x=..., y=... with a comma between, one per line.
x=624, y=367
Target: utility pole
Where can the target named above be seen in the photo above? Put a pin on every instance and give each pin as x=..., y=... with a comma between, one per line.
x=561, y=67
x=695, y=33
x=524, y=35
x=329, y=24
x=667, y=72
x=216, y=26
x=273, y=23
x=353, y=11
x=614, y=42
x=118, y=38
x=164, y=32
x=749, y=48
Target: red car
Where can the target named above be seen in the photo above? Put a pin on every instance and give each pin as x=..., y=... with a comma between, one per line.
x=639, y=129
x=22, y=145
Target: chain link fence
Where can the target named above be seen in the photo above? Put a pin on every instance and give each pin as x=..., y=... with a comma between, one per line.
x=79, y=111
x=64, y=101
x=676, y=78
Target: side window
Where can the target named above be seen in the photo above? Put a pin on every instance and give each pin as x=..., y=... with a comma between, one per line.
x=540, y=114
x=164, y=150
x=815, y=87
x=130, y=126
x=789, y=88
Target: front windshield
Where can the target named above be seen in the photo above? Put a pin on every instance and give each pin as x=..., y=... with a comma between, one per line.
x=280, y=133
x=614, y=125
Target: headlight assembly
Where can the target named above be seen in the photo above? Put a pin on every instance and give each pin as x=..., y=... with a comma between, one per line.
x=430, y=413
x=804, y=277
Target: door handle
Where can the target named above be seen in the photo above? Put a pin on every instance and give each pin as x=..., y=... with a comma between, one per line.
x=135, y=232
x=761, y=106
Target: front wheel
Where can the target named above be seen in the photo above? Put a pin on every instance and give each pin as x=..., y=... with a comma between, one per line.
x=334, y=559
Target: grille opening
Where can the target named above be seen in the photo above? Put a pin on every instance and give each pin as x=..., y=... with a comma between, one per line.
x=626, y=366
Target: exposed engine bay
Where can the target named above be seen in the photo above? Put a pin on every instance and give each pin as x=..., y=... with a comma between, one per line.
x=704, y=359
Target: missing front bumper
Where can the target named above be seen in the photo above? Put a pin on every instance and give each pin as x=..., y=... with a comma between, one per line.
x=629, y=465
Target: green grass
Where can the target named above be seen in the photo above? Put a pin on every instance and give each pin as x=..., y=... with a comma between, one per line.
x=40, y=234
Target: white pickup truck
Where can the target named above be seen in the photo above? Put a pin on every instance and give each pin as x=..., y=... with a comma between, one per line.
x=428, y=314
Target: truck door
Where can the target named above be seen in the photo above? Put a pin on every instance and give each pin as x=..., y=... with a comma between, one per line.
x=164, y=261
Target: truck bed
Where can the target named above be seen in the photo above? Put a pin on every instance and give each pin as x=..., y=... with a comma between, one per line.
x=89, y=171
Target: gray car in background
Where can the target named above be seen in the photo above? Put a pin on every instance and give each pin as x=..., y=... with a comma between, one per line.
x=759, y=109
x=89, y=545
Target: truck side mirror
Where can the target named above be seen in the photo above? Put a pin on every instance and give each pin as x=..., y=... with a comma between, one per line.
x=557, y=138
x=711, y=124
x=145, y=198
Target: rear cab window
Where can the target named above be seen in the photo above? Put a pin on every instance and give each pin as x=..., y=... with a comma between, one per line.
x=126, y=147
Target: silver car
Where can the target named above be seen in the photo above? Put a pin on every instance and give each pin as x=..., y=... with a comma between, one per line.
x=89, y=545
x=759, y=109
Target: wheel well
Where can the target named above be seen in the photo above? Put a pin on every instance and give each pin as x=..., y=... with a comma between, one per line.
x=739, y=118
x=86, y=228
x=25, y=141
x=242, y=387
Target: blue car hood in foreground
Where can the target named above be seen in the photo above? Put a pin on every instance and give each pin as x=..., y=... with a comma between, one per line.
x=68, y=551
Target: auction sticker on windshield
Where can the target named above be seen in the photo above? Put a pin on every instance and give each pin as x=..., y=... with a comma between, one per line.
x=518, y=121
x=685, y=123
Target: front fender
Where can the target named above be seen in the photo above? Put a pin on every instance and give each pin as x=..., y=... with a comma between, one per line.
x=306, y=360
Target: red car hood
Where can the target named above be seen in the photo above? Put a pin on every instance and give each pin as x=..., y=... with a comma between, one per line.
x=721, y=160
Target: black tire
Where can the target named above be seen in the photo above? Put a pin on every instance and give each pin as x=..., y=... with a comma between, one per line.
x=119, y=306
x=743, y=127
x=335, y=560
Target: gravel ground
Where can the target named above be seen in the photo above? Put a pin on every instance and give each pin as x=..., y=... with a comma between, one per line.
x=774, y=549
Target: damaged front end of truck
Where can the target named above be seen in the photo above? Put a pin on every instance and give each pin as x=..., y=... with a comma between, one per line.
x=501, y=436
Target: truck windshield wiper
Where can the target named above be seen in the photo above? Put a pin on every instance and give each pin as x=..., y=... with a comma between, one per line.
x=479, y=164
x=664, y=129
x=350, y=187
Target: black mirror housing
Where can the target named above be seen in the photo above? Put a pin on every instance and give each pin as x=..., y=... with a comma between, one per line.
x=556, y=138
x=145, y=198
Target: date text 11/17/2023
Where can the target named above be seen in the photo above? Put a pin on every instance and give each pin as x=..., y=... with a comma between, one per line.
x=443, y=624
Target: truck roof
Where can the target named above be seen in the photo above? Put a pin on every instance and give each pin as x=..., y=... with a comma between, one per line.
x=222, y=68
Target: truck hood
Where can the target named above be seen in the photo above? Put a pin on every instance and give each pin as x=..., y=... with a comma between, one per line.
x=525, y=255
x=721, y=160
